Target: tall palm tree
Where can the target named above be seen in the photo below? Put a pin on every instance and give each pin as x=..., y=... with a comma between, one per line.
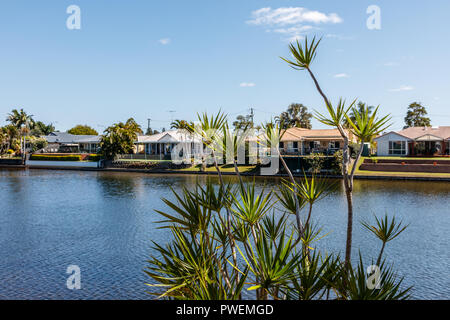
x=23, y=122
x=20, y=119
x=41, y=128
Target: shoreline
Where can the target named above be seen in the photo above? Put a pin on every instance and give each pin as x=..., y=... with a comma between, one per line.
x=184, y=172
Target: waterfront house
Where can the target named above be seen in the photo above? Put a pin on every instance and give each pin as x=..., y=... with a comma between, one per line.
x=66, y=142
x=306, y=141
x=162, y=144
x=415, y=141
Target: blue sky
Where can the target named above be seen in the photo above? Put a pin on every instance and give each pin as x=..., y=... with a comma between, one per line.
x=143, y=59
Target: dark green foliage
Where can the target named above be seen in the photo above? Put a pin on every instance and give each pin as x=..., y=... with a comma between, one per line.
x=81, y=130
x=296, y=115
x=39, y=157
x=119, y=138
x=416, y=116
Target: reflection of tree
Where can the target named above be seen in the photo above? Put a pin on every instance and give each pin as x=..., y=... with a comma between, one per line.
x=118, y=185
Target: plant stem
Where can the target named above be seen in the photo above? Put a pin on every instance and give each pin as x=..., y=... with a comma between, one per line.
x=381, y=254
x=228, y=225
x=297, y=205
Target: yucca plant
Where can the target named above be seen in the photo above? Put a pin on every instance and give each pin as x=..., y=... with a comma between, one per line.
x=365, y=128
x=276, y=257
x=273, y=264
x=353, y=284
x=386, y=230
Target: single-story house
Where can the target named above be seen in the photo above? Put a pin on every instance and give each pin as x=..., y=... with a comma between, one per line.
x=415, y=141
x=163, y=143
x=306, y=141
x=66, y=142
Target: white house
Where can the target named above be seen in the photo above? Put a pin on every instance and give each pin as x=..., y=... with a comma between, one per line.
x=66, y=142
x=163, y=143
x=415, y=141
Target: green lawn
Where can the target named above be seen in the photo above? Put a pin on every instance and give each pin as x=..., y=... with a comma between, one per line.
x=407, y=158
x=399, y=174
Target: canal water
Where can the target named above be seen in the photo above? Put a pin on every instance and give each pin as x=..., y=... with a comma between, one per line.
x=105, y=222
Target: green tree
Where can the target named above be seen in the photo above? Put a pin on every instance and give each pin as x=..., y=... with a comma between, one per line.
x=297, y=115
x=360, y=108
x=119, y=138
x=42, y=129
x=243, y=122
x=11, y=136
x=416, y=116
x=182, y=125
x=20, y=119
x=82, y=130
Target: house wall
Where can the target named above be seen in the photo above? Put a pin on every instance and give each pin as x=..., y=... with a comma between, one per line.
x=383, y=144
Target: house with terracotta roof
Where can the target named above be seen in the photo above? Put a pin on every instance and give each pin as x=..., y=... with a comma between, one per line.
x=306, y=141
x=415, y=141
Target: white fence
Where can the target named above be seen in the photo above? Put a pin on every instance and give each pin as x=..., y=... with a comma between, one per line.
x=68, y=164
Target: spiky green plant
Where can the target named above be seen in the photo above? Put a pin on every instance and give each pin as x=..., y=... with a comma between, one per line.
x=386, y=230
x=364, y=128
x=276, y=257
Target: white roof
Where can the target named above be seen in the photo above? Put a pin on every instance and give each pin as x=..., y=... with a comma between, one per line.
x=171, y=136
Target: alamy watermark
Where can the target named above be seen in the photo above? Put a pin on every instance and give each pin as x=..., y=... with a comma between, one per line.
x=73, y=22
x=373, y=277
x=227, y=147
x=74, y=280
x=374, y=20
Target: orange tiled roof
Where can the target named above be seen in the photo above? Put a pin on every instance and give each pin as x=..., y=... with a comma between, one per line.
x=296, y=134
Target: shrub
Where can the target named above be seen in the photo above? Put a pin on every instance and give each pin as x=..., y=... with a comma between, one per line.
x=44, y=157
x=315, y=162
x=94, y=157
x=336, y=163
x=38, y=144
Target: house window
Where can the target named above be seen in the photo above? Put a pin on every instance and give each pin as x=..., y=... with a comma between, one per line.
x=281, y=146
x=397, y=148
x=295, y=145
x=334, y=145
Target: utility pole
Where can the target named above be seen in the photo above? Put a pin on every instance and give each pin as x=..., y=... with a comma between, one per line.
x=148, y=124
x=252, y=116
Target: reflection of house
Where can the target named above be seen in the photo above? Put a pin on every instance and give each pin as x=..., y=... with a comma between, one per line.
x=66, y=142
x=415, y=141
x=306, y=141
x=163, y=143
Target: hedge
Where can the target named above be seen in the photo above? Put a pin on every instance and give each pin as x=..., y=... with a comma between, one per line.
x=39, y=157
x=94, y=157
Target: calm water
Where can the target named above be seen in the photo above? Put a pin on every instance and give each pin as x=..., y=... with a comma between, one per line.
x=104, y=223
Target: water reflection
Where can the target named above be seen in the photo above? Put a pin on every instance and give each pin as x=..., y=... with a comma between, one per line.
x=105, y=223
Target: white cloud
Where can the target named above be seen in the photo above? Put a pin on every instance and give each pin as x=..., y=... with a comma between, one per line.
x=293, y=22
x=341, y=75
x=391, y=64
x=164, y=41
x=402, y=88
x=339, y=36
x=290, y=16
x=247, y=84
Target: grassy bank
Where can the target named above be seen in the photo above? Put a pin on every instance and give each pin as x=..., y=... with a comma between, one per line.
x=399, y=174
